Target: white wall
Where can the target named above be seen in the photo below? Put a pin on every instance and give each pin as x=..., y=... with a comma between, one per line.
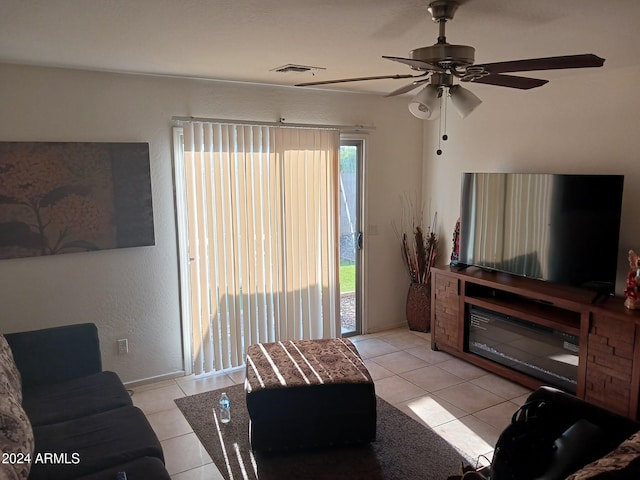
x=133, y=293
x=581, y=122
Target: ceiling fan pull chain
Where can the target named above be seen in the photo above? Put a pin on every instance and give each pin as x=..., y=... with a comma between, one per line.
x=443, y=120
x=445, y=137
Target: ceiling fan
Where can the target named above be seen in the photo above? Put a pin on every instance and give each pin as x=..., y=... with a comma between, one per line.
x=440, y=64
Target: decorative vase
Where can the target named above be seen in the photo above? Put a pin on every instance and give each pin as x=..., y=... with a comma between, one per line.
x=419, y=307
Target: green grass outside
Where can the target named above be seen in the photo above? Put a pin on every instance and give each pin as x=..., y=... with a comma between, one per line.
x=347, y=278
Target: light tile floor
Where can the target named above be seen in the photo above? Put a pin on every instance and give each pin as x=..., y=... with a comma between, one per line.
x=464, y=404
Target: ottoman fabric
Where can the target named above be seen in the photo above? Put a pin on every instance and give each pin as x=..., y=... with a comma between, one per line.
x=304, y=362
x=308, y=393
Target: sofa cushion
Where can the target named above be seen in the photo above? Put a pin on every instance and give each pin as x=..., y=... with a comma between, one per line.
x=141, y=469
x=75, y=398
x=10, y=380
x=97, y=442
x=57, y=354
x=622, y=463
x=16, y=439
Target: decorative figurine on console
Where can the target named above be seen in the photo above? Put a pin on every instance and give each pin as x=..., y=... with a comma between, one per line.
x=455, y=247
x=633, y=281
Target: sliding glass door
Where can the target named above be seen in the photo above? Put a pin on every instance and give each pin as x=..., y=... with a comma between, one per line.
x=351, y=241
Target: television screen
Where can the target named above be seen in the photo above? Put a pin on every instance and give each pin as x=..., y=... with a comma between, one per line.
x=558, y=228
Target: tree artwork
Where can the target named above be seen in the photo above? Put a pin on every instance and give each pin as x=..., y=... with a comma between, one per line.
x=73, y=197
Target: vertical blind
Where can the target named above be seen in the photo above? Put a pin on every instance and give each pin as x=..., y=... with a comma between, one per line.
x=511, y=218
x=262, y=228
x=526, y=229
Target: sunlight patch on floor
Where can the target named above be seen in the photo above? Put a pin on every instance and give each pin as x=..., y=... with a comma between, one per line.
x=458, y=432
x=430, y=411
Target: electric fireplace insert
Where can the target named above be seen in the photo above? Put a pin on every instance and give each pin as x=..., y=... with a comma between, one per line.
x=538, y=351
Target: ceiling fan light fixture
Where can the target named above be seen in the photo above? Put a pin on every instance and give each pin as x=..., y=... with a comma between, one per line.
x=464, y=101
x=425, y=104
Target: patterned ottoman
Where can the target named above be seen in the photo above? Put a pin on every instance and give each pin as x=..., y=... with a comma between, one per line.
x=308, y=393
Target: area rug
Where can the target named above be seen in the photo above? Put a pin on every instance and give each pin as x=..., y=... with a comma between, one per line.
x=404, y=449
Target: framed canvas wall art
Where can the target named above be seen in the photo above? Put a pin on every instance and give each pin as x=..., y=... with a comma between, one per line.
x=67, y=197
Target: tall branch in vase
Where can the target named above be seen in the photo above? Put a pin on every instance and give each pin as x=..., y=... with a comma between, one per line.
x=419, y=246
x=419, y=243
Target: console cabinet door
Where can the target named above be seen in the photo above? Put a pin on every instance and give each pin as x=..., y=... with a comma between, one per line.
x=610, y=352
x=446, y=328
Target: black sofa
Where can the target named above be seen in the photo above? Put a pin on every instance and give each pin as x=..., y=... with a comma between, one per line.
x=84, y=424
x=590, y=442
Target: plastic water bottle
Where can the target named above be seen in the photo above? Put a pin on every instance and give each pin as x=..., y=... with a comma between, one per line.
x=225, y=408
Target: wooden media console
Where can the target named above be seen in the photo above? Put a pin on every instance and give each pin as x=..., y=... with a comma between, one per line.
x=608, y=351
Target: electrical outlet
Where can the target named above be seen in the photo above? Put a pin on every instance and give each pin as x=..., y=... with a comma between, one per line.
x=123, y=346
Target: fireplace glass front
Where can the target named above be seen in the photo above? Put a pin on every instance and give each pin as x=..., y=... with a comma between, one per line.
x=540, y=352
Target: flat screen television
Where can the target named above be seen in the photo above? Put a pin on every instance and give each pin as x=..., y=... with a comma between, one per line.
x=551, y=227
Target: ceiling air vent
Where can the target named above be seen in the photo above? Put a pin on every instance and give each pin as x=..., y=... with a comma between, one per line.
x=290, y=67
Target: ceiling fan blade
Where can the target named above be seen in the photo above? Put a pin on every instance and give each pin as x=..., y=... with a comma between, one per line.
x=512, y=81
x=359, y=79
x=407, y=88
x=548, y=63
x=415, y=64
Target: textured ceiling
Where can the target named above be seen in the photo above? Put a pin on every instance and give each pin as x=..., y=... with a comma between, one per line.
x=243, y=40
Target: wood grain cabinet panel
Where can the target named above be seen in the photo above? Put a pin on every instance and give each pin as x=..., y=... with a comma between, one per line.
x=446, y=327
x=609, y=369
